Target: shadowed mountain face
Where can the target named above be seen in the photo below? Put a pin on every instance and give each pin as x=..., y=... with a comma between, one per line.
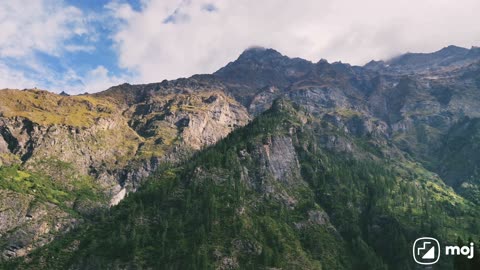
x=346, y=156
x=450, y=57
x=258, y=68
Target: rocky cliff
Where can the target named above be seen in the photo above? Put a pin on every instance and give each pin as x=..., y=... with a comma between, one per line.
x=273, y=194
x=117, y=145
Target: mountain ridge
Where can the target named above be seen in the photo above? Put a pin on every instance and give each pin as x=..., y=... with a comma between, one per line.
x=407, y=112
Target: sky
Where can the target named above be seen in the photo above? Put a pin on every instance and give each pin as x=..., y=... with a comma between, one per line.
x=81, y=46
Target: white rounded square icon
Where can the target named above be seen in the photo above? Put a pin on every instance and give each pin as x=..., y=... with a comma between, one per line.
x=426, y=251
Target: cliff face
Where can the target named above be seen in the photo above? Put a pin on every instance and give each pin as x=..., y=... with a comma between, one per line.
x=26, y=224
x=101, y=138
x=115, y=145
x=413, y=101
x=37, y=206
x=107, y=144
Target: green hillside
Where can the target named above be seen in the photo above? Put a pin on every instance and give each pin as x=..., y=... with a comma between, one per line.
x=272, y=196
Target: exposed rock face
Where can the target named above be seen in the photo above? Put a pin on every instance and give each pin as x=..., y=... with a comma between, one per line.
x=119, y=145
x=281, y=159
x=108, y=144
x=155, y=129
x=14, y=208
x=26, y=224
x=118, y=197
x=3, y=145
x=262, y=101
x=278, y=166
x=175, y=124
x=318, y=217
x=215, y=123
x=412, y=101
x=315, y=217
x=444, y=59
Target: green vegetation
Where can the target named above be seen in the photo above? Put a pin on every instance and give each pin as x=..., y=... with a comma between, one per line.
x=208, y=213
x=59, y=184
x=459, y=155
x=48, y=108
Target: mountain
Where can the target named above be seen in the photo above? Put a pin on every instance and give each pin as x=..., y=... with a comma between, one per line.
x=272, y=194
x=270, y=162
x=447, y=58
x=257, y=68
x=60, y=142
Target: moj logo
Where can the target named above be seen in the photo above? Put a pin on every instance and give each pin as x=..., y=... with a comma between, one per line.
x=427, y=250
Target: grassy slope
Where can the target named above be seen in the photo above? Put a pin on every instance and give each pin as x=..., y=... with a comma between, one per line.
x=61, y=186
x=48, y=108
x=55, y=200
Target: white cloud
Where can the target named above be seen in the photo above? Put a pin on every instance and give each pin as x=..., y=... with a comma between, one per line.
x=167, y=39
x=41, y=25
x=79, y=48
x=11, y=77
x=99, y=79
x=94, y=80
x=48, y=26
x=200, y=40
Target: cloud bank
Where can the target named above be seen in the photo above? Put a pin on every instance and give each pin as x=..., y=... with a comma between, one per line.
x=64, y=46
x=174, y=38
x=35, y=39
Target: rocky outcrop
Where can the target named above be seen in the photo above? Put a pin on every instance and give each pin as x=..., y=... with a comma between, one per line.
x=280, y=159
x=121, y=147
x=107, y=142
x=118, y=146
x=217, y=119
x=277, y=167
x=13, y=209
x=26, y=224
x=172, y=126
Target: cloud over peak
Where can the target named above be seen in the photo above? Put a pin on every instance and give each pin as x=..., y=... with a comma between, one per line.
x=73, y=45
x=170, y=39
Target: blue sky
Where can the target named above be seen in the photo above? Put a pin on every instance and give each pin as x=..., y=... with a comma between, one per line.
x=76, y=53
x=82, y=46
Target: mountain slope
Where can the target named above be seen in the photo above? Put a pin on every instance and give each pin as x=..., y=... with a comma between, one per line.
x=113, y=145
x=415, y=100
x=348, y=169
x=272, y=194
x=458, y=158
x=448, y=58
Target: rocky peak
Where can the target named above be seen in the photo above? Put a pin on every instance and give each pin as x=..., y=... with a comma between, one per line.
x=430, y=58
x=375, y=65
x=452, y=50
x=260, y=54
x=129, y=95
x=257, y=68
x=263, y=60
x=448, y=58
